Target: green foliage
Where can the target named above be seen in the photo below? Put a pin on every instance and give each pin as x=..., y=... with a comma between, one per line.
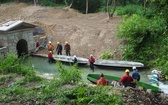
x=6, y=1
x=135, y=9
x=107, y=55
x=51, y=3
x=85, y=95
x=69, y=75
x=143, y=38
x=12, y=64
x=161, y=6
x=129, y=10
x=32, y=89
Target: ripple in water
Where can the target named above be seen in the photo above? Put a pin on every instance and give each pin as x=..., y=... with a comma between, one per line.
x=163, y=87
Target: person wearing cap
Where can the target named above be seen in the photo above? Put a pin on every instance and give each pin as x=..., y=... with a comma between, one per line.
x=91, y=61
x=74, y=59
x=102, y=80
x=50, y=57
x=50, y=46
x=67, y=49
x=135, y=74
x=59, y=48
x=126, y=80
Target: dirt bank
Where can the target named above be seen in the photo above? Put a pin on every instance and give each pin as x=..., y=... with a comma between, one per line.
x=87, y=34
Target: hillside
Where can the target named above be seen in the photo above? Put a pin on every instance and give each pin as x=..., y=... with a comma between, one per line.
x=87, y=34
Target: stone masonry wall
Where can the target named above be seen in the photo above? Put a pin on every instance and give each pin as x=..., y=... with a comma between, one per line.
x=10, y=39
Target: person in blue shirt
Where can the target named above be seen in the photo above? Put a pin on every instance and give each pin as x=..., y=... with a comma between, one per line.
x=135, y=74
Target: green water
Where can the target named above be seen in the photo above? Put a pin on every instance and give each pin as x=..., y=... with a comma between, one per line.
x=42, y=66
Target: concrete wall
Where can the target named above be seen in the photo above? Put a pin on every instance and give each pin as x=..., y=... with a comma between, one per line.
x=10, y=39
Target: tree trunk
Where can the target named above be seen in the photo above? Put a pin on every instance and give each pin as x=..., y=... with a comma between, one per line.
x=66, y=3
x=87, y=1
x=71, y=4
x=107, y=6
x=35, y=2
x=110, y=14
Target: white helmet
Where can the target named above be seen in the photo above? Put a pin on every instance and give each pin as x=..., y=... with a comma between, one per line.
x=133, y=67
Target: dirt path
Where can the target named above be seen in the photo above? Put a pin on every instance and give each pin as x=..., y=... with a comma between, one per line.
x=87, y=34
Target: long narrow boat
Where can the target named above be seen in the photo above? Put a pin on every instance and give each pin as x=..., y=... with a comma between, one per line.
x=118, y=63
x=69, y=59
x=94, y=77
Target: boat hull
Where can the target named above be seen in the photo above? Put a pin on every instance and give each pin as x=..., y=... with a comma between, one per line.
x=118, y=64
x=69, y=59
x=94, y=77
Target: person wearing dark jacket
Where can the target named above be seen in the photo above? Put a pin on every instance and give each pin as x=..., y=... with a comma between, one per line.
x=135, y=74
x=67, y=49
x=59, y=48
x=74, y=59
x=91, y=61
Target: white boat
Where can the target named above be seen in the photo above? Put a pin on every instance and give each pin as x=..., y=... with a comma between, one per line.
x=118, y=63
x=69, y=59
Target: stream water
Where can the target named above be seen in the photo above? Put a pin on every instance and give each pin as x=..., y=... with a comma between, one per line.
x=41, y=64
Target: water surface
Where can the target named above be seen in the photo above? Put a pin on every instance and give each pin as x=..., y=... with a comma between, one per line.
x=42, y=66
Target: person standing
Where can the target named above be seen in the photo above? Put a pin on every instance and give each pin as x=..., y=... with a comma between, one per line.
x=50, y=57
x=50, y=47
x=59, y=48
x=91, y=61
x=102, y=80
x=126, y=80
x=67, y=48
x=135, y=74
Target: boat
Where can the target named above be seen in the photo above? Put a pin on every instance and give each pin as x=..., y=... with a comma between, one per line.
x=118, y=63
x=112, y=79
x=69, y=59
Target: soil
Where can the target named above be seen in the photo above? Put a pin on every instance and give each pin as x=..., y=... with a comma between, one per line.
x=86, y=33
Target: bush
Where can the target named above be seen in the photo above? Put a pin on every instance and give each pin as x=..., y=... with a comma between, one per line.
x=143, y=38
x=129, y=10
x=135, y=9
x=107, y=55
x=69, y=75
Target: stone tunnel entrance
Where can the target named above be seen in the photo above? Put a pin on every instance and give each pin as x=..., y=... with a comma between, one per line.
x=22, y=47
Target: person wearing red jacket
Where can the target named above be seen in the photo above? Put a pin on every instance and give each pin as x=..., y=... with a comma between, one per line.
x=127, y=80
x=50, y=57
x=91, y=61
x=102, y=80
x=67, y=48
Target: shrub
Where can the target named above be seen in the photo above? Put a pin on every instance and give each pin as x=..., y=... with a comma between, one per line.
x=143, y=38
x=69, y=75
x=107, y=55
